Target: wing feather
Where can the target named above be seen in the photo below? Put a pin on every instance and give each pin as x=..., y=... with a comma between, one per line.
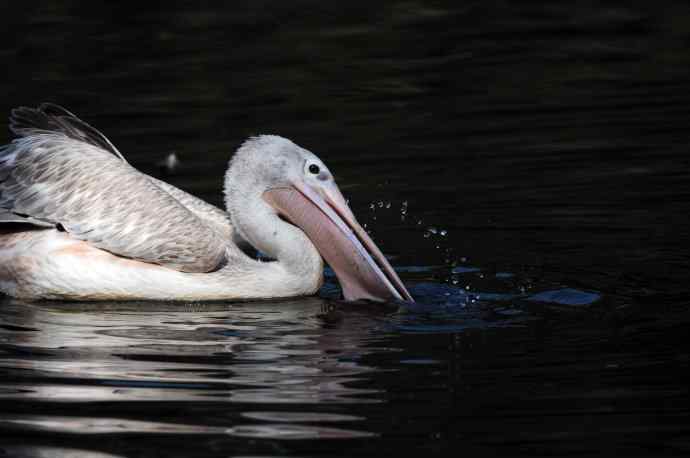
x=213, y=216
x=52, y=177
x=49, y=117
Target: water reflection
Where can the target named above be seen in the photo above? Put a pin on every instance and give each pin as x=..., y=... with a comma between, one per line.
x=52, y=452
x=217, y=377
x=288, y=352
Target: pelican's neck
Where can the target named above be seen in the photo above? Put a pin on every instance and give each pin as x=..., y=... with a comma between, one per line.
x=259, y=225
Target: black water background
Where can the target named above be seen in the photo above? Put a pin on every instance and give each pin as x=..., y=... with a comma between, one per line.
x=548, y=139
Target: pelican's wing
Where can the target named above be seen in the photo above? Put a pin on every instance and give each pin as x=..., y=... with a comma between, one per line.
x=216, y=218
x=213, y=216
x=49, y=117
x=62, y=174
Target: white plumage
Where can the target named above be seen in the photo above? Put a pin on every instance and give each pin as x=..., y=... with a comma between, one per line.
x=78, y=222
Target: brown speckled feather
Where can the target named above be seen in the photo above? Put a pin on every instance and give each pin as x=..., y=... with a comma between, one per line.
x=61, y=172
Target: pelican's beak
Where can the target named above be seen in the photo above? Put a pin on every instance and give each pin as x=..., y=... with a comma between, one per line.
x=323, y=214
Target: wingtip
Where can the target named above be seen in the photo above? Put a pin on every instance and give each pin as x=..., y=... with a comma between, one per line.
x=53, y=109
x=51, y=117
x=20, y=119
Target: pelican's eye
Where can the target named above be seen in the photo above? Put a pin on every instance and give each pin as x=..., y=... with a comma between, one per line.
x=314, y=169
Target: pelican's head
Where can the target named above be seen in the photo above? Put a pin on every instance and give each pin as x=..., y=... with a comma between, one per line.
x=271, y=177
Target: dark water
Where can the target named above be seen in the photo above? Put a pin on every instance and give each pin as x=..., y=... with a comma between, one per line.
x=525, y=166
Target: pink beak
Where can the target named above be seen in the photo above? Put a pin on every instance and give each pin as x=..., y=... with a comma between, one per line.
x=361, y=268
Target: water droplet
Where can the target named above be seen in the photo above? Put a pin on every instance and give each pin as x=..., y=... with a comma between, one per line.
x=427, y=235
x=372, y=206
x=380, y=204
x=433, y=230
x=388, y=205
x=463, y=259
x=443, y=232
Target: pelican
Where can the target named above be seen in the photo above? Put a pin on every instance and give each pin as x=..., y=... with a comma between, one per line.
x=78, y=222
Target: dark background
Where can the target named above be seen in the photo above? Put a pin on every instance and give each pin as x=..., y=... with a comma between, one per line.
x=549, y=139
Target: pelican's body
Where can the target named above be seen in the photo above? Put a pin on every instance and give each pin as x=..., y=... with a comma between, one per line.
x=78, y=222
x=48, y=264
